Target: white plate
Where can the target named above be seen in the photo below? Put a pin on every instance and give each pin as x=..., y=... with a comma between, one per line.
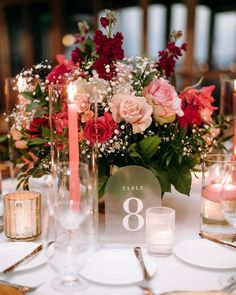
x=205, y=253
x=116, y=267
x=13, y=251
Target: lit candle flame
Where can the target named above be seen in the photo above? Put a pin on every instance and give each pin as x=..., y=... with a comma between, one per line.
x=71, y=91
x=235, y=85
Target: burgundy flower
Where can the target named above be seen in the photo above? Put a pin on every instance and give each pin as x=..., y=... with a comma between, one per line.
x=168, y=57
x=109, y=51
x=104, y=22
x=76, y=55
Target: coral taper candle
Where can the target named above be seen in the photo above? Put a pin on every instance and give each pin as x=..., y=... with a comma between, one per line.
x=234, y=114
x=73, y=147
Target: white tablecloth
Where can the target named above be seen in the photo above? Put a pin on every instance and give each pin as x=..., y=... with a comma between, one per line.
x=172, y=274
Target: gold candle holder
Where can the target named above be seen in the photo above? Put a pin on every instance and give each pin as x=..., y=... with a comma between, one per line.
x=22, y=215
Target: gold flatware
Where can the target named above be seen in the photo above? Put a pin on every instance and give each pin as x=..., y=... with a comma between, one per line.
x=16, y=289
x=224, y=291
x=23, y=259
x=213, y=239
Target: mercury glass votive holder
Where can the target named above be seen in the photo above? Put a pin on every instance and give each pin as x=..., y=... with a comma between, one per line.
x=22, y=215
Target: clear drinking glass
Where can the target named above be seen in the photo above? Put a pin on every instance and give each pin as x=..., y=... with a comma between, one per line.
x=160, y=225
x=1, y=203
x=228, y=206
x=72, y=210
x=213, y=221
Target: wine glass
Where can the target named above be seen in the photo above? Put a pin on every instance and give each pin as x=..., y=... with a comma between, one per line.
x=228, y=206
x=71, y=208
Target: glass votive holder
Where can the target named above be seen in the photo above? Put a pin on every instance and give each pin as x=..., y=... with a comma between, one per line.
x=22, y=215
x=160, y=225
x=216, y=168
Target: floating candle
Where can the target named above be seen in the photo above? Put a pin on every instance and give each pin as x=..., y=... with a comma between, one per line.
x=213, y=192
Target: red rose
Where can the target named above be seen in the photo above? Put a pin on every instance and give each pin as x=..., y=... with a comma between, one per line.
x=57, y=75
x=36, y=125
x=101, y=129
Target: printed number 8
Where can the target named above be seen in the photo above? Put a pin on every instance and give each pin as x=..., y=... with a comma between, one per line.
x=126, y=208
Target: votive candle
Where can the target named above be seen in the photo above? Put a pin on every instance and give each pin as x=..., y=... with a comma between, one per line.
x=22, y=215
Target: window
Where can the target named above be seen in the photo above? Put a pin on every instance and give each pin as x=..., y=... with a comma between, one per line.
x=179, y=19
x=130, y=25
x=224, y=49
x=156, y=29
x=178, y=23
x=202, y=25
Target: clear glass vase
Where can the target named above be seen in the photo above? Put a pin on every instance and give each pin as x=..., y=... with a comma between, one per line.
x=213, y=221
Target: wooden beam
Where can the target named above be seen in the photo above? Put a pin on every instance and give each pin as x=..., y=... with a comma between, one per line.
x=5, y=67
x=97, y=6
x=27, y=35
x=144, y=5
x=56, y=30
x=211, y=39
x=189, y=60
x=168, y=20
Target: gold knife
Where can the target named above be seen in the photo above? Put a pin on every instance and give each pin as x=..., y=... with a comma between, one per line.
x=23, y=259
x=213, y=239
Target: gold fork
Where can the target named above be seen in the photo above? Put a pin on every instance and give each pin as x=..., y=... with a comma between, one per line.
x=23, y=289
x=226, y=290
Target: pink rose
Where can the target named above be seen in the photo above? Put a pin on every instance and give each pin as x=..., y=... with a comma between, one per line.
x=132, y=109
x=22, y=99
x=164, y=99
x=21, y=144
x=213, y=133
x=16, y=135
x=81, y=98
x=100, y=129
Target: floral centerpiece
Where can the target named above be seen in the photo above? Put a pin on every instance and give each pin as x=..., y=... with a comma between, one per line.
x=142, y=119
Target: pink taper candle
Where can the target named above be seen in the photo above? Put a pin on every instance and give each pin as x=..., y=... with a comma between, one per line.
x=73, y=147
x=234, y=114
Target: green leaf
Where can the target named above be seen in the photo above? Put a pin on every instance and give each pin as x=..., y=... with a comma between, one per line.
x=32, y=106
x=149, y=78
x=3, y=138
x=102, y=184
x=37, y=141
x=40, y=113
x=45, y=132
x=148, y=146
x=89, y=46
x=28, y=95
x=181, y=178
x=38, y=91
x=163, y=176
x=191, y=162
x=132, y=151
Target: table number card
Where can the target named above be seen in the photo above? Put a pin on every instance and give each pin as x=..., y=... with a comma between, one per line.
x=128, y=193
